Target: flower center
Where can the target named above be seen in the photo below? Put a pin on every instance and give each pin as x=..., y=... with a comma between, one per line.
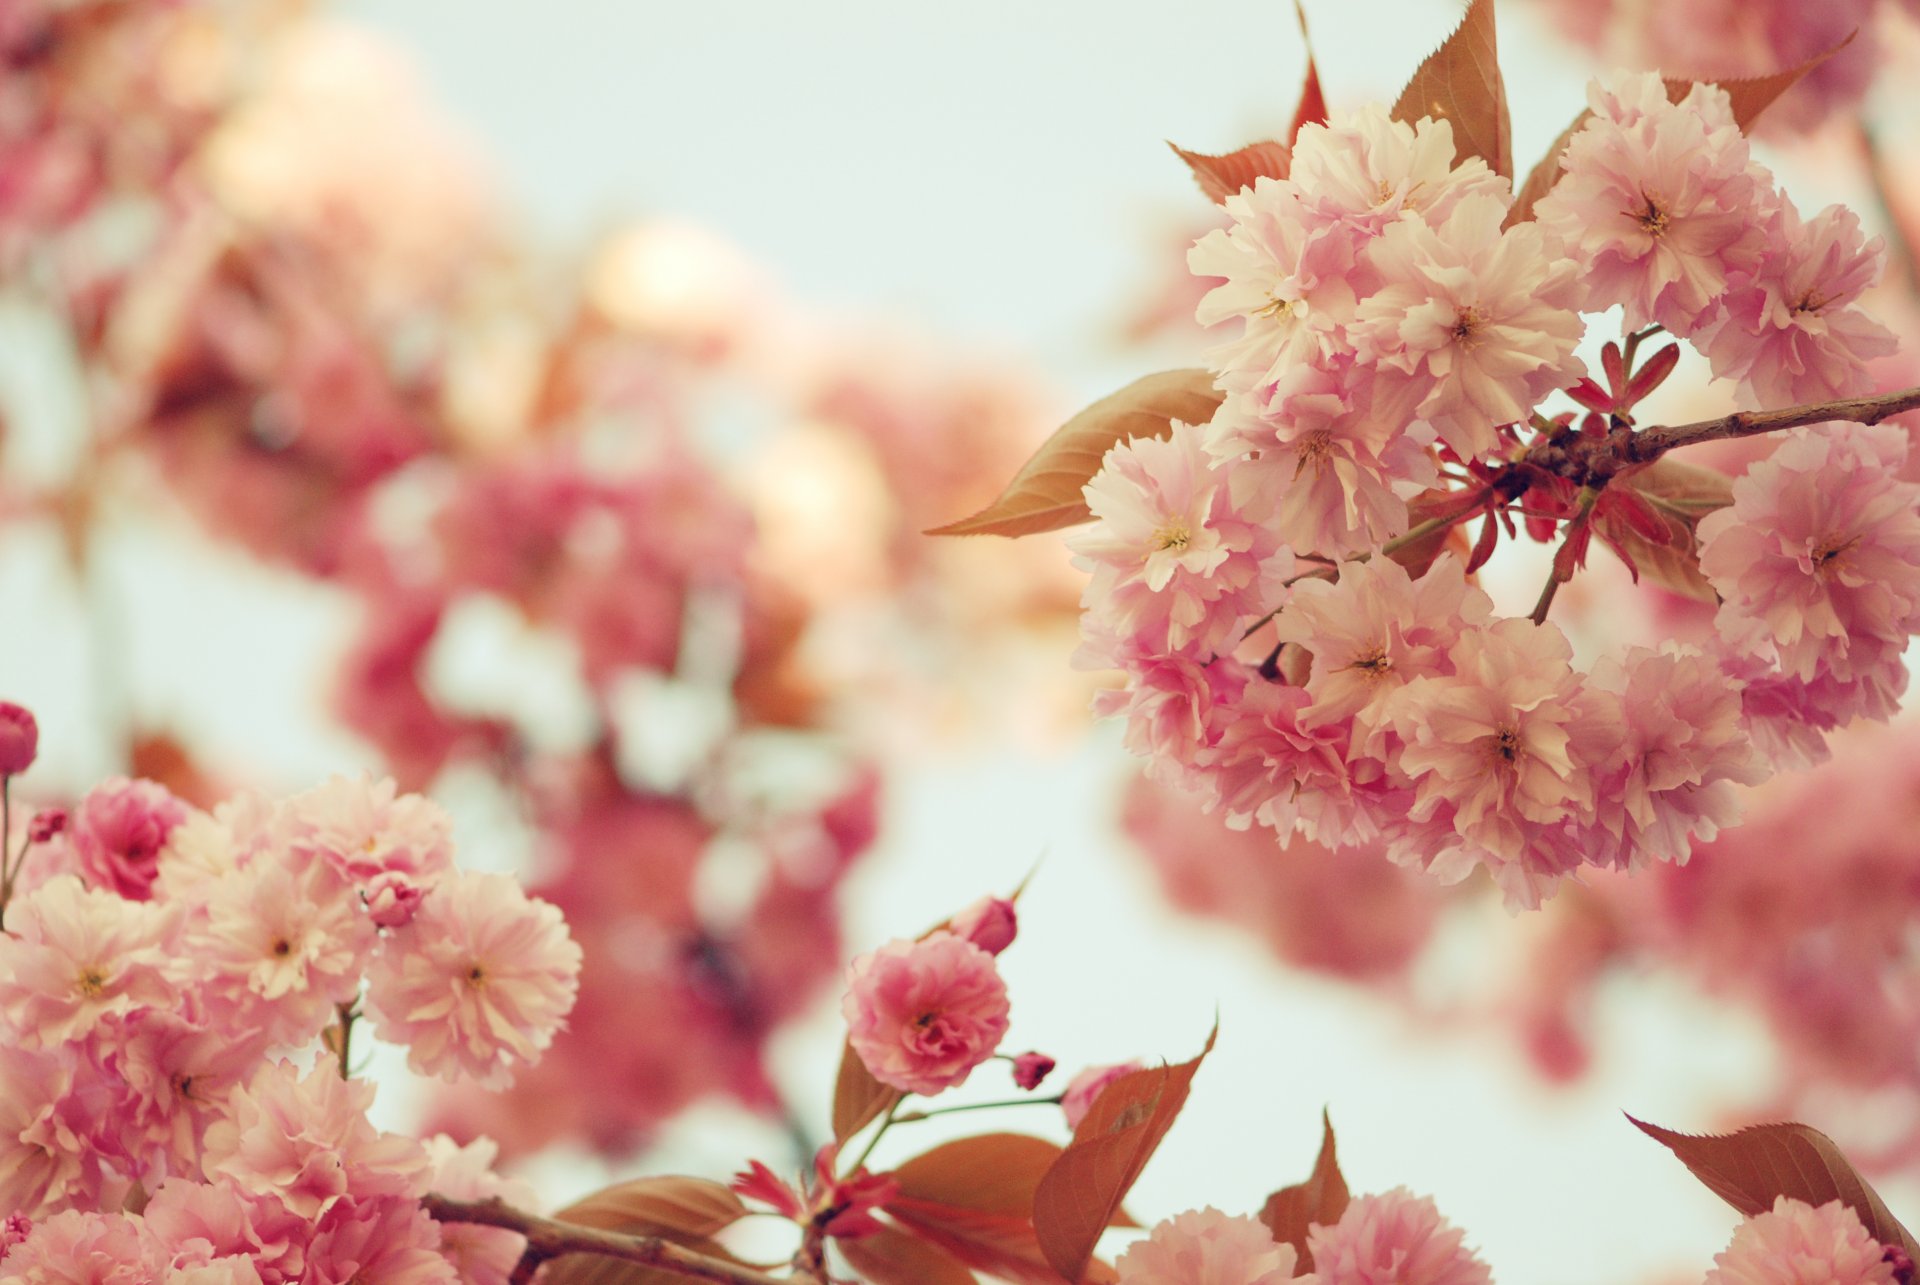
x=1506, y=743
x=1811, y=302
x=91, y=983
x=1466, y=326
x=1278, y=309
x=282, y=948
x=1829, y=551
x=1374, y=663
x=1173, y=534
x=1653, y=218
x=476, y=975
x=1314, y=448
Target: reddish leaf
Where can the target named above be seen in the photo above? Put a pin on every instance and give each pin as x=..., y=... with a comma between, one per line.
x=1483, y=546
x=1680, y=494
x=858, y=1098
x=1222, y=176
x=687, y=1211
x=1439, y=502
x=995, y=1173
x=893, y=1257
x=1749, y=1169
x=1322, y=1198
x=1046, y=494
x=1312, y=108
x=1652, y=373
x=1081, y=1193
x=1003, y=1245
x=1752, y=95
x=1460, y=82
x=1542, y=177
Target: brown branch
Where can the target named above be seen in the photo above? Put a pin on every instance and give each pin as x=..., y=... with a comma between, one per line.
x=548, y=1238
x=1651, y=443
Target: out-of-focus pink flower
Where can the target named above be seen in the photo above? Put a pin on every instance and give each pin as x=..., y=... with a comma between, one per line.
x=478, y=982
x=1084, y=1088
x=1029, y=1069
x=481, y=1255
x=117, y=832
x=1207, y=1247
x=97, y=1249
x=1795, y=1242
x=989, y=923
x=1819, y=551
x=922, y=1014
x=19, y=738
x=1396, y=1238
x=1659, y=204
x=367, y=828
x=46, y=823
x=306, y=1141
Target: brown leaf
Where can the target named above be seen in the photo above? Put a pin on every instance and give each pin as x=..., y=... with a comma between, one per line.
x=995, y=1172
x=858, y=1098
x=1681, y=494
x=1460, y=82
x=1002, y=1245
x=1046, y=494
x=1222, y=176
x=1312, y=108
x=687, y=1211
x=891, y=1257
x=1080, y=1194
x=1749, y=1169
x=1542, y=177
x=1752, y=95
x=1322, y=1198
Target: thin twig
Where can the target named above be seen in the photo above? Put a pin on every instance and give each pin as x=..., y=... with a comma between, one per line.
x=911, y=1116
x=1651, y=443
x=548, y=1238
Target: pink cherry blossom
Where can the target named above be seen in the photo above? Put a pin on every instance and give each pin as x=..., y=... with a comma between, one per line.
x=78, y=1248
x=118, y=831
x=43, y=1155
x=366, y=828
x=1787, y=328
x=1396, y=1238
x=1174, y=707
x=305, y=1140
x=217, y=1222
x=1367, y=170
x=922, y=1014
x=172, y=1076
x=1083, y=1089
x=77, y=956
x=380, y=1239
x=1795, y=1242
x=1207, y=1247
x=1179, y=557
x=989, y=923
x=1029, y=1069
x=1482, y=322
x=1270, y=761
x=478, y=982
x=481, y=1255
x=1659, y=204
x=1371, y=632
x=1819, y=552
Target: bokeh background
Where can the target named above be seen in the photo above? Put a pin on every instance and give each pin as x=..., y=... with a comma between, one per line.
x=540, y=403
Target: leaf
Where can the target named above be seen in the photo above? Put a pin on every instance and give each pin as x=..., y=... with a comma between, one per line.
x=1002, y=1245
x=1322, y=1198
x=1680, y=494
x=1222, y=176
x=858, y=1098
x=687, y=1211
x=1752, y=95
x=1542, y=177
x=1460, y=82
x=1081, y=1193
x=1312, y=108
x=1045, y=495
x=1749, y=1169
x=891, y=1257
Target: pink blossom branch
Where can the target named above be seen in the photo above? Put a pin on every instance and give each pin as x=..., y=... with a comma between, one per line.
x=548, y=1238
x=1651, y=443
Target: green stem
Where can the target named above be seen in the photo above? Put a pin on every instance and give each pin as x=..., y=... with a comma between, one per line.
x=886, y=1122
x=911, y=1116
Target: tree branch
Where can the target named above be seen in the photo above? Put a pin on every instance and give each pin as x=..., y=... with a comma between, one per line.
x=1651, y=443
x=548, y=1238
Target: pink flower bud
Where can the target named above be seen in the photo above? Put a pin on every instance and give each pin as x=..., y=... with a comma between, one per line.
x=1031, y=1068
x=1084, y=1089
x=46, y=823
x=988, y=923
x=19, y=739
x=392, y=899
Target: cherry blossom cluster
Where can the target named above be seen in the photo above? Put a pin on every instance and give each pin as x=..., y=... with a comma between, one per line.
x=178, y=992
x=1293, y=649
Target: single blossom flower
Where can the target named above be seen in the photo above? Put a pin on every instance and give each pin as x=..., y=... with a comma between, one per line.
x=1396, y=1238
x=922, y=1014
x=118, y=832
x=1207, y=1247
x=1795, y=1242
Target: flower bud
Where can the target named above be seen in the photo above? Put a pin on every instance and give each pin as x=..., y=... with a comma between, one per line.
x=1031, y=1068
x=46, y=823
x=19, y=739
x=988, y=923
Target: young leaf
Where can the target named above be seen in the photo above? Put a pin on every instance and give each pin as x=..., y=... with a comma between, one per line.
x=1749, y=1169
x=1046, y=493
x=1680, y=494
x=890, y=1257
x=1322, y=1198
x=1081, y=1193
x=1752, y=95
x=1460, y=82
x=1222, y=176
x=687, y=1211
x=1312, y=108
x=858, y=1098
